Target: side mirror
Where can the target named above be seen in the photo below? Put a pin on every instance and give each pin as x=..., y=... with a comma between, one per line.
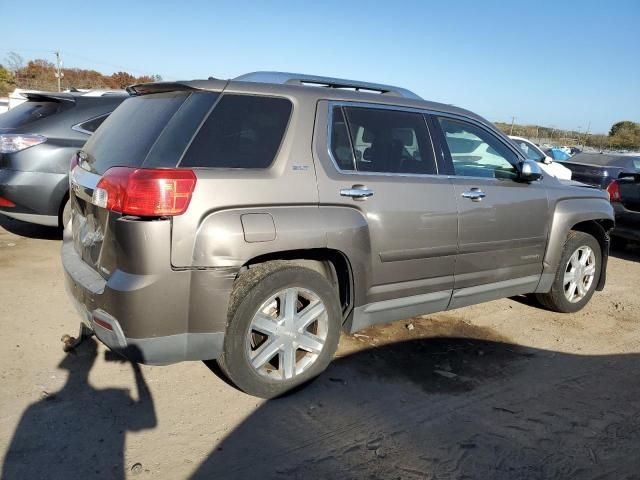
x=530, y=171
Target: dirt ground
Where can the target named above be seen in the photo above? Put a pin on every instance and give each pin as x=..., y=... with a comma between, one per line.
x=503, y=390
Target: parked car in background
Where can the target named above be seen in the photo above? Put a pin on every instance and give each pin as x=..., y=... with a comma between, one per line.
x=600, y=169
x=37, y=141
x=213, y=219
x=624, y=193
x=533, y=152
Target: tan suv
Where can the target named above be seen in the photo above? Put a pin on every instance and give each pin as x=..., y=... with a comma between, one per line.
x=250, y=220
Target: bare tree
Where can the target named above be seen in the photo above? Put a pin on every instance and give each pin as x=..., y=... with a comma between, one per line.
x=14, y=62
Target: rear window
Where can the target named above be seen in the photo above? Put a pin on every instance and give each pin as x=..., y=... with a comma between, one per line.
x=130, y=131
x=28, y=112
x=242, y=131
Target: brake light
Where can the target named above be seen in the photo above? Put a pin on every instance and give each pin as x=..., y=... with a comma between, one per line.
x=145, y=192
x=614, y=191
x=13, y=142
x=6, y=203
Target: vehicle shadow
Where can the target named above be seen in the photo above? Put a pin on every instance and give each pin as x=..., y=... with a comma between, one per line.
x=79, y=431
x=446, y=408
x=30, y=230
x=630, y=251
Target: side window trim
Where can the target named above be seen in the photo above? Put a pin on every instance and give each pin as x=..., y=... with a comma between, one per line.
x=78, y=127
x=445, y=147
x=341, y=104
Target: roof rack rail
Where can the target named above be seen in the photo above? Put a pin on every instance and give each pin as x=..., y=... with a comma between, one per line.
x=327, y=82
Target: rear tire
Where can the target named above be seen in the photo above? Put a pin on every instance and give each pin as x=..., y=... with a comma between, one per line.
x=282, y=330
x=577, y=276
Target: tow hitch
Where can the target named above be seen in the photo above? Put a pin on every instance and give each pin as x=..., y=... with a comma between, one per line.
x=69, y=342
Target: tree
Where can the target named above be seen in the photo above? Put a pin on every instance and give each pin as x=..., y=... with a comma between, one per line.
x=14, y=61
x=7, y=82
x=122, y=80
x=625, y=134
x=622, y=126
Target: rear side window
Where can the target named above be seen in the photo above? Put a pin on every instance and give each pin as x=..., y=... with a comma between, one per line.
x=382, y=141
x=340, y=143
x=131, y=130
x=242, y=131
x=28, y=112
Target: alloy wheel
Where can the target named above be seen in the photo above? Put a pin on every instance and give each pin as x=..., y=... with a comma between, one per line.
x=287, y=333
x=579, y=274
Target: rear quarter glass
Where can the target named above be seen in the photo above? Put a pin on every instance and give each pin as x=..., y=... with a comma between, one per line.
x=153, y=127
x=242, y=131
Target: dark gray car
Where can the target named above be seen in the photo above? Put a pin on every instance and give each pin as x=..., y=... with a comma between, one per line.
x=250, y=220
x=37, y=140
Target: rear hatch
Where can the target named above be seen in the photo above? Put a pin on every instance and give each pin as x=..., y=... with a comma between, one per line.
x=150, y=131
x=27, y=120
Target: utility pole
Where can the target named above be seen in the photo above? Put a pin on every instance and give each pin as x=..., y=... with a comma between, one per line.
x=59, y=73
x=513, y=119
x=586, y=133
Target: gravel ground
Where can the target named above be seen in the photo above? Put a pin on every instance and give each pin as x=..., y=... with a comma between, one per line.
x=499, y=390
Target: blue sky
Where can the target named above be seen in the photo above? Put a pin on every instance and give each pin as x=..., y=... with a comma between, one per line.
x=560, y=63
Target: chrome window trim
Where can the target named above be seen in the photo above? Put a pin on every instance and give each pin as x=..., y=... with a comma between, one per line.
x=78, y=126
x=376, y=106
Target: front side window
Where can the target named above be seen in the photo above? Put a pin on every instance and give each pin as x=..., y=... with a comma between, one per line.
x=242, y=131
x=530, y=150
x=477, y=153
x=381, y=141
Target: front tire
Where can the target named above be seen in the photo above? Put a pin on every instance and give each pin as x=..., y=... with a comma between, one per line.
x=282, y=330
x=577, y=275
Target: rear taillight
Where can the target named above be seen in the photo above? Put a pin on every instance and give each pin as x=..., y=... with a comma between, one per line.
x=12, y=142
x=614, y=191
x=145, y=192
x=6, y=203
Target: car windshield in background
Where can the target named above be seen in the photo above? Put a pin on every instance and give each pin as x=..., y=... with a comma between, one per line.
x=26, y=113
x=529, y=150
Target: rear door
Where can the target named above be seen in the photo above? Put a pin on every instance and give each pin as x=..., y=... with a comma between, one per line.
x=379, y=166
x=502, y=222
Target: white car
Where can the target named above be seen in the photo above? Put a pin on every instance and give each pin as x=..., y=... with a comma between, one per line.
x=546, y=162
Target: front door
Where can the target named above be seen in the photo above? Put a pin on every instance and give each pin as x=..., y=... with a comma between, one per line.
x=502, y=222
x=379, y=165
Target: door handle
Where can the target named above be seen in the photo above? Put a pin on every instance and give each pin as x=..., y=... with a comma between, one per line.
x=357, y=192
x=475, y=194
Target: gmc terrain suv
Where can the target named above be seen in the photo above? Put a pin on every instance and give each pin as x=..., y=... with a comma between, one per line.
x=249, y=220
x=37, y=139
